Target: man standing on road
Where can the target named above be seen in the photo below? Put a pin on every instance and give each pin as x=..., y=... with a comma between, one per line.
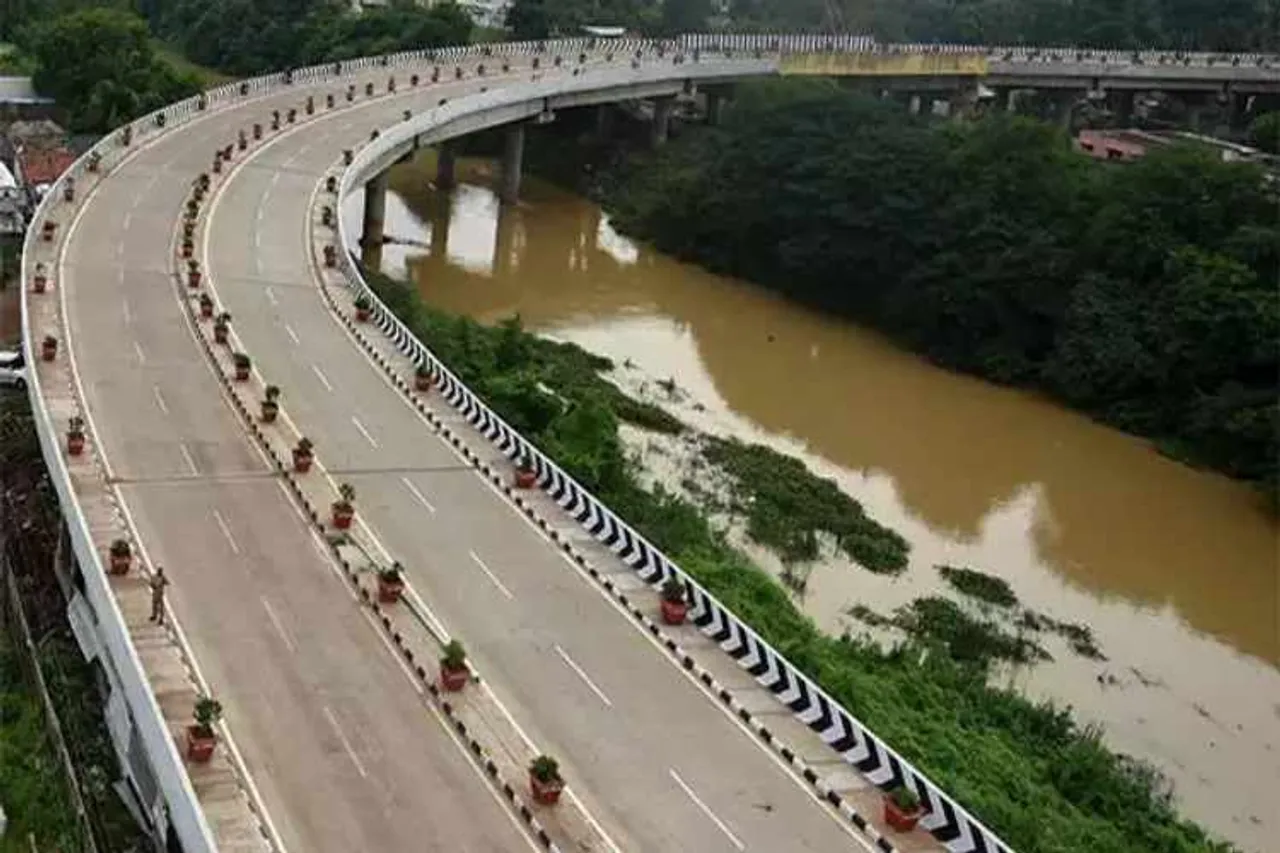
x=157, y=583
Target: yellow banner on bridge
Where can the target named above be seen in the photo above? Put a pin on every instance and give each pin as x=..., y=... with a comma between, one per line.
x=884, y=65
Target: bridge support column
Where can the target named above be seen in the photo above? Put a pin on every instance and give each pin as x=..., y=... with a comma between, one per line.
x=661, y=120
x=715, y=108
x=1120, y=103
x=504, y=242
x=1064, y=107
x=604, y=121
x=375, y=214
x=512, y=164
x=441, y=215
x=446, y=165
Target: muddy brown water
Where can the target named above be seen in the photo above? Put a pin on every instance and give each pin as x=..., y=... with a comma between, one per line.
x=1177, y=571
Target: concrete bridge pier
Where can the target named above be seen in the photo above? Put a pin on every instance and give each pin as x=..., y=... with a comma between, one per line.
x=504, y=242
x=375, y=215
x=446, y=165
x=604, y=121
x=1120, y=103
x=1064, y=107
x=441, y=217
x=661, y=127
x=715, y=106
x=512, y=164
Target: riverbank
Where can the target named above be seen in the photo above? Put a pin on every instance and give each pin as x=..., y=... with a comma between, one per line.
x=1027, y=770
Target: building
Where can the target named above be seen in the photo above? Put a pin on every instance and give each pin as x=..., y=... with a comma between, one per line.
x=1131, y=144
x=18, y=100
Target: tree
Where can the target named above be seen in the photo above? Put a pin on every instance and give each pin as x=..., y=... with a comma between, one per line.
x=528, y=20
x=684, y=16
x=1265, y=132
x=100, y=66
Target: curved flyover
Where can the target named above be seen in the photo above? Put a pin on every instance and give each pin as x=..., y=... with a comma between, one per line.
x=339, y=747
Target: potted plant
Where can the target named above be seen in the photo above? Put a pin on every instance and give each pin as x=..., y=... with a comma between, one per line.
x=422, y=378
x=270, y=404
x=95, y=161
x=331, y=184
x=326, y=216
x=674, y=606
x=545, y=781
x=330, y=256
x=368, y=89
x=75, y=435
x=188, y=243
x=48, y=229
x=902, y=808
x=257, y=130
x=206, y=305
x=311, y=104
x=201, y=738
x=126, y=135
x=242, y=141
x=193, y=272
x=48, y=348
x=242, y=363
x=40, y=280
x=344, y=507
x=362, y=306
x=390, y=583
x=328, y=100
x=454, y=671
x=121, y=557
x=221, y=327
x=303, y=455
x=292, y=115
x=526, y=477
x=69, y=189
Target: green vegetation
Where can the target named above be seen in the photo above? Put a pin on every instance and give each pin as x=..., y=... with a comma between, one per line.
x=1265, y=132
x=1026, y=770
x=787, y=507
x=979, y=585
x=1143, y=294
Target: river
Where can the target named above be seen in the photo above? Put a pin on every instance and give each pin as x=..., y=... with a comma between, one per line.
x=1175, y=570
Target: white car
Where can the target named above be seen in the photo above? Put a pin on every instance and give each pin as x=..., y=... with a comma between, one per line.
x=13, y=370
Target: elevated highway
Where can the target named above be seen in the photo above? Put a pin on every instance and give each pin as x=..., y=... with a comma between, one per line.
x=329, y=746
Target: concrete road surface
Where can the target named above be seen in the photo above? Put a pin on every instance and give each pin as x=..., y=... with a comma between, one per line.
x=345, y=753
x=663, y=767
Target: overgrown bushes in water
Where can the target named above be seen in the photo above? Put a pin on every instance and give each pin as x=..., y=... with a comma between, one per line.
x=1026, y=770
x=1143, y=294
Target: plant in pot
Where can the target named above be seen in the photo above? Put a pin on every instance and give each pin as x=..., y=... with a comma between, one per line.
x=75, y=435
x=188, y=241
x=674, y=605
x=303, y=455
x=454, y=671
x=221, y=328
x=902, y=809
x=242, y=141
x=69, y=189
x=326, y=216
x=48, y=348
x=242, y=363
x=201, y=738
x=193, y=273
x=344, y=509
x=526, y=477
x=206, y=305
x=363, y=307
x=40, y=280
x=422, y=378
x=95, y=161
x=545, y=781
x=330, y=256
x=270, y=404
x=390, y=583
x=121, y=557
x=48, y=229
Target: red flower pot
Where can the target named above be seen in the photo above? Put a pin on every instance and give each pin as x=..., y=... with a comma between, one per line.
x=362, y=315
x=120, y=564
x=269, y=412
x=545, y=793
x=242, y=374
x=342, y=517
x=674, y=612
x=526, y=479
x=389, y=592
x=75, y=444
x=48, y=351
x=206, y=309
x=454, y=680
x=187, y=248
x=422, y=383
x=39, y=283
x=900, y=820
x=193, y=279
x=302, y=462
x=200, y=744
x=220, y=334
x=47, y=231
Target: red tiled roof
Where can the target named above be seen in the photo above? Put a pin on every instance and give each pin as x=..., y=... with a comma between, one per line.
x=45, y=166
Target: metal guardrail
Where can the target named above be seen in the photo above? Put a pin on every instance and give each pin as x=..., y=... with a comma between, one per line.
x=847, y=735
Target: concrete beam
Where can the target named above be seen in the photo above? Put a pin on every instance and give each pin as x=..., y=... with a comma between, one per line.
x=375, y=215
x=512, y=164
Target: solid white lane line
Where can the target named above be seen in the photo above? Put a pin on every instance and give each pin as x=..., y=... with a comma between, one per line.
x=364, y=432
x=191, y=463
x=142, y=356
x=275, y=620
x=324, y=380
x=700, y=804
x=124, y=309
x=574, y=666
x=160, y=404
x=346, y=744
x=479, y=562
x=291, y=333
x=418, y=496
x=226, y=531
x=270, y=294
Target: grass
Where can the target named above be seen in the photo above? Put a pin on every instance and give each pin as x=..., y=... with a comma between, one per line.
x=207, y=77
x=1025, y=769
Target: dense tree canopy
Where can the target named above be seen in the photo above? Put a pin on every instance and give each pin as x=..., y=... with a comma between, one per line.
x=100, y=66
x=1143, y=293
